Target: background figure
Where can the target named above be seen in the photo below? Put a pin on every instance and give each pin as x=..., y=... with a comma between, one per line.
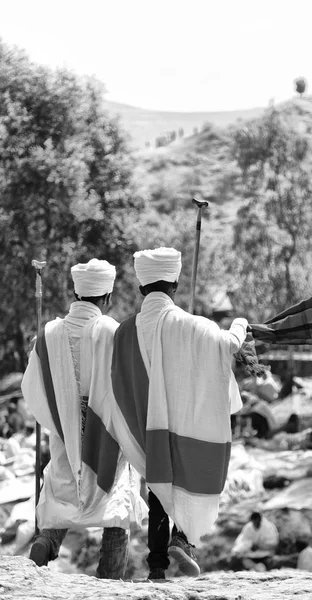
x=257, y=541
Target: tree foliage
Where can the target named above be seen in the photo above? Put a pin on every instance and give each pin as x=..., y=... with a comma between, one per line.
x=69, y=191
x=65, y=188
x=301, y=85
x=272, y=232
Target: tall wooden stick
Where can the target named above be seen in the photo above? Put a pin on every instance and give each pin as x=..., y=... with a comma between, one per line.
x=38, y=266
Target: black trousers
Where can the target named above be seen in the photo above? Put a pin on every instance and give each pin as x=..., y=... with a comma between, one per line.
x=159, y=534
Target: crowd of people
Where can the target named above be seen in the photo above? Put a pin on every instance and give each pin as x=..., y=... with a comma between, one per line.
x=150, y=398
x=257, y=418
x=17, y=431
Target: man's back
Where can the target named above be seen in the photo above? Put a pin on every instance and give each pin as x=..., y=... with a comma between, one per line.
x=177, y=369
x=66, y=385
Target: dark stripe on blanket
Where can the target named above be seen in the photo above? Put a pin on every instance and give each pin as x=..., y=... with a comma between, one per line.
x=130, y=380
x=292, y=326
x=292, y=310
x=198, y=467
x=99, y=450
x=293, y=335
x=42, y=352
x=282, y=330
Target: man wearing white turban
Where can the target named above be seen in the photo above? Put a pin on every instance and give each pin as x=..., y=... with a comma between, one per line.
x=174, y=392
x=67, y=384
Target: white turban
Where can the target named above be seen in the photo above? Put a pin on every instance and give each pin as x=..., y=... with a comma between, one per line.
x=94, y=278
x=159, y=264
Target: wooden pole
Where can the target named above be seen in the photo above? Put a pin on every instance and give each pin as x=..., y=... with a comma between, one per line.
x=38, y=266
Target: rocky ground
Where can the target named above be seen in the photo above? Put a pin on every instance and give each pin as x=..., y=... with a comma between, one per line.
x=21, y=579
x=273, y=476
x=277, y=483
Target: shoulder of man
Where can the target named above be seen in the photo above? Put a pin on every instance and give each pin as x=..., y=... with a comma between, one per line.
x=197, y=322
x=104, y=322
x=51, y=326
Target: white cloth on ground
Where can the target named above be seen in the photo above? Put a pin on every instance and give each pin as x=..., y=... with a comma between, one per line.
x=304, y=562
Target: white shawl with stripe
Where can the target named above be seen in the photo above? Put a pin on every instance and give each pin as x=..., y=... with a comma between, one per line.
x=73, y=494
x=185, y=454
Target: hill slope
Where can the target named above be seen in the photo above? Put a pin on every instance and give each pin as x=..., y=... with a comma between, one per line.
x=202, y=165
x=146, y=125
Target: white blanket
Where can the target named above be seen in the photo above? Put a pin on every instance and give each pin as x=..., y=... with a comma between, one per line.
x=71, y=495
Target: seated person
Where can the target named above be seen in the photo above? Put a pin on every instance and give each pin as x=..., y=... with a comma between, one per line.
x=258, y=539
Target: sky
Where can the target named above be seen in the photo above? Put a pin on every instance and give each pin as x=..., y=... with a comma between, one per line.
x=176, y=55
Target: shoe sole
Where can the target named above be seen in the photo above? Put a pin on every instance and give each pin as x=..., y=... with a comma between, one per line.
x=38, y=554
x=187, y=565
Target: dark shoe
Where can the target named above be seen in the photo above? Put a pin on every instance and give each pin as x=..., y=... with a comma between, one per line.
x=9, y=534
x=157, y=574
x=40, y=551
x=184, y=555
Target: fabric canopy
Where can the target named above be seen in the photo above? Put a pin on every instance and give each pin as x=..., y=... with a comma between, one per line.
x=292, y=326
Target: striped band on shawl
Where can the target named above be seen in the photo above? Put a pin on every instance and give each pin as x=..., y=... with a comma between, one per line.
x=99, y=450
x=199, y=467
x=42, y=352
x=292, y=326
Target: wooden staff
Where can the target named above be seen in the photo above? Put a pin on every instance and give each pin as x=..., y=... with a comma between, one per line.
x=200, y=204
x=38, y=266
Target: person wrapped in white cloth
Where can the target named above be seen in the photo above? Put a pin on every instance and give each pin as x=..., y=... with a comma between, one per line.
x=174, y=392
x=67, y=384
x=256, y=543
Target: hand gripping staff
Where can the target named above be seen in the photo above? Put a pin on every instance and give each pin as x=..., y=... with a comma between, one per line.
x=38, y=266
x=200, y=204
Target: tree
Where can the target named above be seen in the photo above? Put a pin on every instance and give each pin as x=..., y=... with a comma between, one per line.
x=272, y=232
x=300, y=85
x=65, y=185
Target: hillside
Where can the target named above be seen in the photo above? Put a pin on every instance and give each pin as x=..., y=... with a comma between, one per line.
x=145, y=126
x=202, y=165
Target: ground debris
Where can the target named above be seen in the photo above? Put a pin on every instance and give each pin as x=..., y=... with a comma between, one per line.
x=21, y=579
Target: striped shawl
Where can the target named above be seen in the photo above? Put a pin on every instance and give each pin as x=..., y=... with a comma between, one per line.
x=173, y=423
x=293, y=326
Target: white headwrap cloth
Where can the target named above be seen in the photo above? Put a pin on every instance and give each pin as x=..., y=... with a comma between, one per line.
x=159, y=264
x=94, y=278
